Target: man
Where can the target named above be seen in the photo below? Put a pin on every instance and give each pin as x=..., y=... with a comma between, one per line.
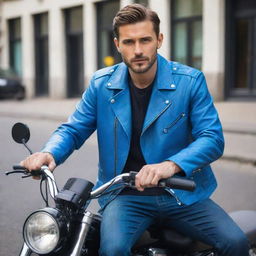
x=155, y=117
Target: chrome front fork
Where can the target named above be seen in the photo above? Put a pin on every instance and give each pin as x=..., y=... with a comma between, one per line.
x=25, y=251
x=82, y=233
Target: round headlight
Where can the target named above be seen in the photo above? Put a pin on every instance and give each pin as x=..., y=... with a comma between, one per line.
x=41, y=232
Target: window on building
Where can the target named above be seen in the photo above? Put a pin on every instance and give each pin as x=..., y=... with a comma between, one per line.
x=15, y=52
x=74, y=51
x=143, y=2
x=187, y=32
x=240, y=48
x=41, y=54
x=107, y=52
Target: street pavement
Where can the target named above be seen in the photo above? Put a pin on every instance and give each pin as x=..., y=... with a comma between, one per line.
x=238, y=120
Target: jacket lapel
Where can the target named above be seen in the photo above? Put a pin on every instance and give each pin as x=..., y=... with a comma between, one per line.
x=120, y=101
x=161, y=97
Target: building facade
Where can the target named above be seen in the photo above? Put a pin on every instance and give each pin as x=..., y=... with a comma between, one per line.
x=55, y=46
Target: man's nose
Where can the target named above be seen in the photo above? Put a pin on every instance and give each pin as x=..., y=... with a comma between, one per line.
x=138, y=49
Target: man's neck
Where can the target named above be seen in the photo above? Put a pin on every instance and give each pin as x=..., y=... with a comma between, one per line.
x=143, y=80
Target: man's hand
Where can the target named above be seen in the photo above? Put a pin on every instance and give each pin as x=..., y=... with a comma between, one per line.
x=149, y=175
x=37, y=160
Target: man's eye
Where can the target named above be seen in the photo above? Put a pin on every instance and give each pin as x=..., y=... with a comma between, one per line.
x=145, y=40
x=127, y=41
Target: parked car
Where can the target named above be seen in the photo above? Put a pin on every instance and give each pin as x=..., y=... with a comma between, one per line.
x=10, y=85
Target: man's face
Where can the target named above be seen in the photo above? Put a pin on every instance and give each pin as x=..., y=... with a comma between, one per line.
x=138, y=44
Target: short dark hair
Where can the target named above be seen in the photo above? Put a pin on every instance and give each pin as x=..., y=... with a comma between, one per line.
x=134, y=13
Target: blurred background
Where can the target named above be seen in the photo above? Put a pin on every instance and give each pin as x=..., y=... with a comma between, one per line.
x=55, y=46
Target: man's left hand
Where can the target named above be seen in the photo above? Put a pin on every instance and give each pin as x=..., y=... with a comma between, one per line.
x=150, y=174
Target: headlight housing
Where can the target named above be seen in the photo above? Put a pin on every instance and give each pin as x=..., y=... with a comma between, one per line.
x=43, y=230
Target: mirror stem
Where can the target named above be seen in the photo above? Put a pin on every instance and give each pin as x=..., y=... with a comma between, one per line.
x=26, y=146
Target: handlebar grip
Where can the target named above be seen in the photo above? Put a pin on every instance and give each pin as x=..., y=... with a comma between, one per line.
x=32, y=173
x=172, y=182
x=179, y=183
x=18, y=167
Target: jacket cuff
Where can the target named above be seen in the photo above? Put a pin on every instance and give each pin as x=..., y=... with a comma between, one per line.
x=186, y=169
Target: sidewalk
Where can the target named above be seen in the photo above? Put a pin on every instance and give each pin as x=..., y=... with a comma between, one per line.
x=42, y=108
x=239, y=125
x=238, y=120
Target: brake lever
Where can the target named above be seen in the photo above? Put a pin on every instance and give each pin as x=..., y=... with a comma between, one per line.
x=24, y=171
x=13, y=172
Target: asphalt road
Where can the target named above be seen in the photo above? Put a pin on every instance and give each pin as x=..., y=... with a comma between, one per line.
x=19, y=197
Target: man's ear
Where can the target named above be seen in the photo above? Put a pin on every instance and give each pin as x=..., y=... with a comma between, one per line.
x=160, y=40
x=117, y=44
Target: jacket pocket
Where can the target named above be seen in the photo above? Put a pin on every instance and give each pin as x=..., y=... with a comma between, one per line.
x=180, y=118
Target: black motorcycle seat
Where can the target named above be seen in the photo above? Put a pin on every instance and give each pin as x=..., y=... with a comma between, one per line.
x=176, y=241
x=170, y=239
x=181, y=243
x=246, y=220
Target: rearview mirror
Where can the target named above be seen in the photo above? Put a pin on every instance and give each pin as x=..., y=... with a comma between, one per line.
x=20, y=133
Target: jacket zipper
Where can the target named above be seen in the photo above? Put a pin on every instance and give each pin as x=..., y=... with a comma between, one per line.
x=197, y=170
x=155, y=118
x=175, y=121
x=115, y=142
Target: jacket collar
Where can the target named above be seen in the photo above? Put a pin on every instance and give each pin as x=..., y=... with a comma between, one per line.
x=119, y=79
x=164, y=76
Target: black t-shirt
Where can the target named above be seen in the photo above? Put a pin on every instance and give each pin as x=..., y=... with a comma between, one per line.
x=139, y=104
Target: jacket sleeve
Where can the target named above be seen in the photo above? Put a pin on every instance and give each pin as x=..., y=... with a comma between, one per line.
x=80, y=125
x=207, y=137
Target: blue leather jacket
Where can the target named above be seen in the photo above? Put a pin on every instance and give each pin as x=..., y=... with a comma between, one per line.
x=181, y=125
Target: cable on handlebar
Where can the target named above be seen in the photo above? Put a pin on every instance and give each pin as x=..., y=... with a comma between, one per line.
x=45, y=198
x=105, y=190
x=45, y=178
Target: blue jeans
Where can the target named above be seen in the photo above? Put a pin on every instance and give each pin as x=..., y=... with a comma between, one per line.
x=127, y=217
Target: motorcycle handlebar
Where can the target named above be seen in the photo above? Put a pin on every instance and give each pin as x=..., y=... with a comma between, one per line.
x=178, y=183
x=129, y=180
x=172, y=182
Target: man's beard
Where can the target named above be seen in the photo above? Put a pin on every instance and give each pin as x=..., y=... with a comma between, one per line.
x=138, y=69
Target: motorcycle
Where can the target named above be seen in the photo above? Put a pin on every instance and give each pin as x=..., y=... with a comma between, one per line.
x=69, y=229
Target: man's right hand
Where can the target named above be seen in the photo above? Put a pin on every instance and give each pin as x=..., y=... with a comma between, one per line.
x=37, y=160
